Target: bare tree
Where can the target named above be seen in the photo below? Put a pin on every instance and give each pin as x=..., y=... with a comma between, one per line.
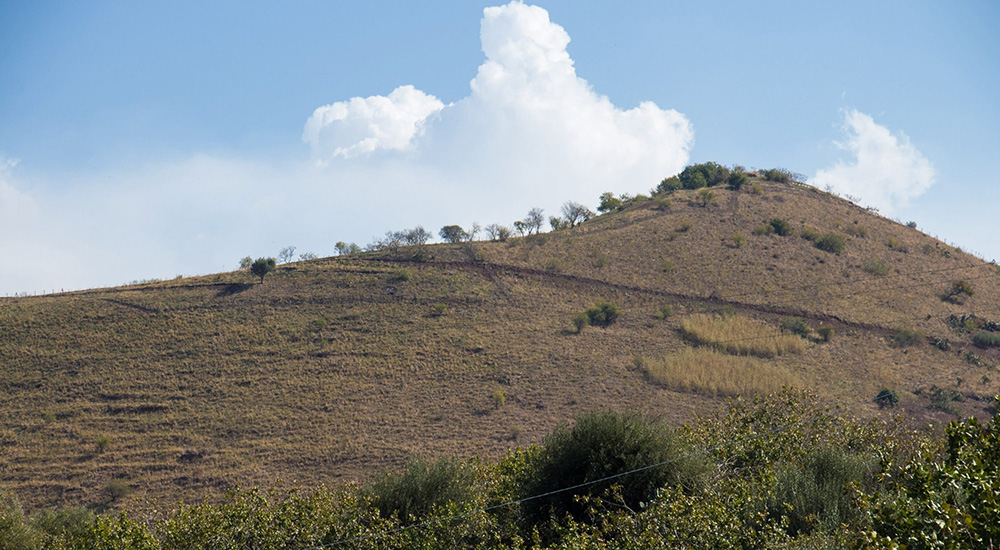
x=474, y=232
x=307, y=256
x=286, y=254
x=535, y=219
x=521, y=227
x=245, y=263
x=497, y=232
x=575, y=213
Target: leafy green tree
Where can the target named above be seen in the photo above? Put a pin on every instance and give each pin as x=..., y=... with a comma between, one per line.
x=263, y=266
x=609, y=203
x=669, y=185
x=453, y=234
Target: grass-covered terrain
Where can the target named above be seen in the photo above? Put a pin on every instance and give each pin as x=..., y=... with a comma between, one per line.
x=337, y=368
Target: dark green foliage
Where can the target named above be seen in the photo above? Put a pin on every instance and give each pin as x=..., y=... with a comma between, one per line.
x=780, y=175
x=602, y=314
x=986, y=339
x=781, y=227
x=669, y=185
x=737, y=180
x=664, y=312
x=610, y=203
x=815, y=494
x=825, y=333
x=600, y=445
x=453, y=234
x=795, y=325
x=943, y=399
x=904, y=337
x=911, y=224
x=421, y=487
x=831, y=242
x=262, y=266
x=887, y=398
x=708, y=174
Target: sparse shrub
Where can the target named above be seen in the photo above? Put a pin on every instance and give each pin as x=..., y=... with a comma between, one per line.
x=763, y=230
x=438, y=309
x=825, y=332
x=499, y=399
x=831, y=242
x=558, y=224
x=49, y=417
x=810, y=234
x=286, y=254
x=875, y=266
x=777, y=175
x=944, y=400
x=117, y=489
x=857, y=231
x=668, y=266
x=781, y=227
x=307, y=256
x=600, y=259
x=580, y=320
x=664, y=311
x=895, y=245
x=661, y=203
x=602, y=314
x=986, y=339
x=263, y=266
x=101, y=444
x=706, y=197
x=737, y=180
x=422, y=487
x=958, y=289
x=402, y=274
x=756, y=189
x=887, y=398
x=497, y=233
x=684, y=226
x=795, y=325
x=576, y=213
x=555, y=265
x=905, y=337
x=739, y=240
x=603, y=444
x=727, y=311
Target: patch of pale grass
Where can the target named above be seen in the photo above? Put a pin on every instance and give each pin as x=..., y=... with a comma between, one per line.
x=708, y=372
x=740, y=335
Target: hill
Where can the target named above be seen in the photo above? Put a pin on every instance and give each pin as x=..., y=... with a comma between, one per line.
x=336, y=367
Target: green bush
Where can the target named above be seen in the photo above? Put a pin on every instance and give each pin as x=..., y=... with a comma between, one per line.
x=262, y=266
x=610, y=203
x=818, y=495
x=739, y=240
x=781, y=227
x=664, y=312
x=825, y=333
x=402, y=274
x=709, y=174
x=737, y=180
x=905, y=337
x=580, y=320
x=602, y=314
x=603, y=444
x=810, y=234
x=831, y=242
x=706, y=197
x=887, y=398
x=795, y=325
x=958, y=289
x=421, y=487
x=875, y=266
x=669, y=185
x=986, y=339
x=763, y=230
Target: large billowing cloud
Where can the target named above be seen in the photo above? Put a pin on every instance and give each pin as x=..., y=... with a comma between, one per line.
x=886, y=170
x=530, y=133
x=529, y=125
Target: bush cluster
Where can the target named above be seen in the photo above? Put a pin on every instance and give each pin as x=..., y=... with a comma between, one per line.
x=831, y=242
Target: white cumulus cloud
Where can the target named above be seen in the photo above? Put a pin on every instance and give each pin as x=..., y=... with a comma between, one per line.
x=529, y=127
x=364, y=124
x=886, y=170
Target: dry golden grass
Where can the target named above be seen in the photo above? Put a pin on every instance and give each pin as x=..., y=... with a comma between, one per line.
x=711, y=373
x=740, y=335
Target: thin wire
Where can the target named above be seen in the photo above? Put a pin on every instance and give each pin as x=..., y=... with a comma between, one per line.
x=610, y=477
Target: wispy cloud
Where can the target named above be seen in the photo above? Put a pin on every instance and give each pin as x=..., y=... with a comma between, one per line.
x=885, y=169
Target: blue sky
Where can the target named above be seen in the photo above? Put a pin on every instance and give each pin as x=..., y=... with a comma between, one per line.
x=141, y=140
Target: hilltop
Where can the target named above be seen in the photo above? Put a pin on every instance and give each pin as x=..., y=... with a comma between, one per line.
x=336, y=367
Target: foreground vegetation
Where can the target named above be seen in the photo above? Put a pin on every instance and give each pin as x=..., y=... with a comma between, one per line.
x=770, y=473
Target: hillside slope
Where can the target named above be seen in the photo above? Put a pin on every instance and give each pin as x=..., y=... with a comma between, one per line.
x=336, y=367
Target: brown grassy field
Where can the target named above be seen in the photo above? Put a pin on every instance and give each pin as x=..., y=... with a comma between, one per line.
x=334, y=368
